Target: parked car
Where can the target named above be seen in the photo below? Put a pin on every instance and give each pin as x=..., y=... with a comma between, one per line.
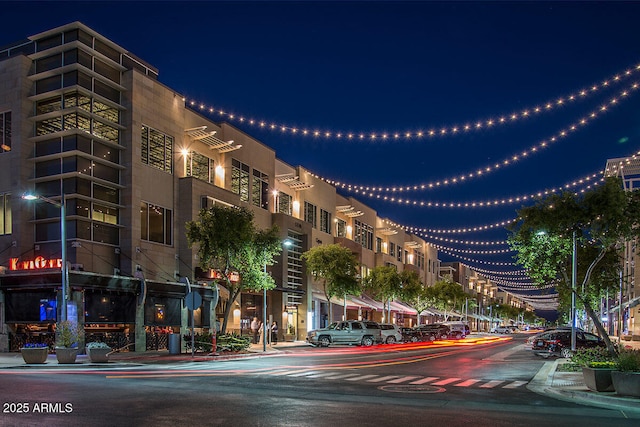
x=558, y=343
x=430, y=332
x=347, y=332
x=458, y=329
x=529, y=343
x=503, y=330
x=391, y=333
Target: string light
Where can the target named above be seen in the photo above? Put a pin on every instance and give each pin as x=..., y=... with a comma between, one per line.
x=417, y=230
x=487, y=169
x=471, y=251
x=477, y=261
x=431, y=132
x=464, y=242
x=487, y=203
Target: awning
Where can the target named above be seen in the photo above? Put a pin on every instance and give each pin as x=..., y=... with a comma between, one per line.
x=371, y=302
x=401, y=308
x=320, y=296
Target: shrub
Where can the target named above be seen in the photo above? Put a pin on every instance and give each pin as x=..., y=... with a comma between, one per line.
x=97, y=344
x=68, y=333
x=589, y=356
x=629, y=361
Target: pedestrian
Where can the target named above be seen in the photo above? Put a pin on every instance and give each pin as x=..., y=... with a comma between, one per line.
x=255, y=329
x=274, y=333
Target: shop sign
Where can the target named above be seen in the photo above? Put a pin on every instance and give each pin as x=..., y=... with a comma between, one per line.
x=233, y=276
x=38, y=263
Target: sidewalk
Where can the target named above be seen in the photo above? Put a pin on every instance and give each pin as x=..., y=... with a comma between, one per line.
x=14, y=360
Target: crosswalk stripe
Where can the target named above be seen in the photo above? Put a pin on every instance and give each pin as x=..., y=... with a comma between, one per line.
x=424, y=380
x=466, y=383
x=379, y=380
x=403, y=379
x=361, y=377
x=515, y=384
x=323, y=374
x=280, y=372
x=303, y=374
x=446, y=381
x=491, y=384
x=341, y=376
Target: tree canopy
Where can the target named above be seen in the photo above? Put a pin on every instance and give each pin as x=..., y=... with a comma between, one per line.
x=228, y=242
x=337, y=267
x=383, y=283
x=446, y=294
x=601, y=219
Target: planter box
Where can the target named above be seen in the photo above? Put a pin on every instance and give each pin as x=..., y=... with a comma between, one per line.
x=66, y=355
x=598, y=379
x=99, y=355
x=626, y=383
x=34, y=355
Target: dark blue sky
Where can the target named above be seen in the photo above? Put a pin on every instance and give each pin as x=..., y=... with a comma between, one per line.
x=394, y=67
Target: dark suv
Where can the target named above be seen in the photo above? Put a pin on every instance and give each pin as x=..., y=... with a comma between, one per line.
x=426, y=332
x=364, y=333
x=558, y=343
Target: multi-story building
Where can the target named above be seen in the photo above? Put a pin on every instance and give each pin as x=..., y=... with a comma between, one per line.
x=622, y=311
x=121, y=163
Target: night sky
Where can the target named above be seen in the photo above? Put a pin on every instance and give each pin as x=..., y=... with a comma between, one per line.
x=398, y=67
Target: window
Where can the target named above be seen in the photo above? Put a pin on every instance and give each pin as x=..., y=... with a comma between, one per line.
x=325, y=221
x=5, y=214
x=5, y=131
x=310, y=213
x=260, y=189
x=341, y=228
x=399, y=253
x=392, y=249
x=363, y=234
x=199, y=166
x=240, y=179
x=155, y=223
x=378, y=245
x=157, y=149
x=285, y=203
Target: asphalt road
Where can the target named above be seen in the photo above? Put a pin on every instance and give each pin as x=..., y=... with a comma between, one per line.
x=481, y=385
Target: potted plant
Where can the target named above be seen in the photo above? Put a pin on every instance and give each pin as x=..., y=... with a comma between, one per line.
x=98, y=352
x=35, y=353
x=626, y=379
x=68, y=334
x=597, y=364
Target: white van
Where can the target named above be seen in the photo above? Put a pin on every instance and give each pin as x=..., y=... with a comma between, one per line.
x=458, y=329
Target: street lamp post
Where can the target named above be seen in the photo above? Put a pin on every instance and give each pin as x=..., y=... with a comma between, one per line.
x=574, y=272
x=63, y=242
x=286, y=244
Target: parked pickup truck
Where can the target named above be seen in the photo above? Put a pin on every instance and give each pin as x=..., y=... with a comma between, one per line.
x=348, y=332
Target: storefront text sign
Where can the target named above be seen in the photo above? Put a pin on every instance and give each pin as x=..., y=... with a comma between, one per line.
x=38, y=263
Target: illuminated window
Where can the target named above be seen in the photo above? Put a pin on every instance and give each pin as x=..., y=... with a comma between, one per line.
x=285, y=203
x=157, y=149
x=240, y=179
x=260, y=189
x=5, y=131
x=310, y=214
x=200, y=167
x=325, y=221
x=5, y=214
x=341, y=228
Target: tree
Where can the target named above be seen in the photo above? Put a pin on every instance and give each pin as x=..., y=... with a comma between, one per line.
x=601, y=221
x=383, y=283
x=228, y=242
x=337, y=267
x=413, y=292
x=447, y=294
